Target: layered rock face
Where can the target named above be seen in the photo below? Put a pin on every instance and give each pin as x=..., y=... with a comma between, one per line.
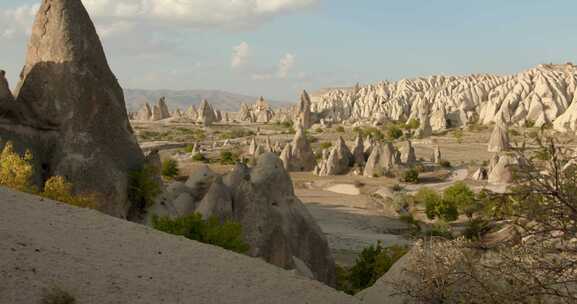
x=540, y=95
x=70, y=109
x=276, y=224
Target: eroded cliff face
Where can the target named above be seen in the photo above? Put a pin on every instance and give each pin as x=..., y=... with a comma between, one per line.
x=541, y=95
x=69, y=108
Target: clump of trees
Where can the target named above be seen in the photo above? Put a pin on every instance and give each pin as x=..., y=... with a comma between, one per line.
x=538, y=265
x=170, y=168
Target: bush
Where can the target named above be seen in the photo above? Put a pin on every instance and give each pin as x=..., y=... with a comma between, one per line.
x=412, y=124
x=199, y=157
x=57, y=296
x=170, y=168
x=440, y=229
x=227, y=235
x=58, y=189
x=458, y=135
x=461, y=196
x=228, y=158
x=144, y=187
x=475, y=228
x=436, y=206
x=445, y=163
x=394, y=132
x=236, y=133
x=397, y=188
x=340, y=129
x=371, y=264
x=15, y=170
x=326, y=145
x=410, y=176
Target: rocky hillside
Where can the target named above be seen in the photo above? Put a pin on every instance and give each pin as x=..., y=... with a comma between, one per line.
x=543, y=95
x=100, y=259
x=224, y=101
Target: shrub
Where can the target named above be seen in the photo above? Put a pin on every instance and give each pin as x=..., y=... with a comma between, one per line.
x=318, y=130
x=199, y=157
x=461, y=196
x=436, y=206
x=326, y=145
x=340, y=129
x=445, y=163
x=188, y=149
x=410, y=176
x=58, y=189
x=227, y=235
x=412, y=124
x=397, y=188
x=228, y=158
x=475, y=228
x=372, y=263
x=440, y=229
x=57, y=296
x=236, y=133
x=144, y=187
x=15, y=170
x=394, y=132
x=170, y=168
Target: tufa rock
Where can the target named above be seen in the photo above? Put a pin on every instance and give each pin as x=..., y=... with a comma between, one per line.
x=499, y=140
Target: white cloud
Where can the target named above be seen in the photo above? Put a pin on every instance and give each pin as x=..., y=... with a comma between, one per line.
x=17, y=21
x=285, y=66
x=240, y=54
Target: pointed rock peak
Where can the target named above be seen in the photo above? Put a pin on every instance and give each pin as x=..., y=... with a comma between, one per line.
x=5, y=93
x=269, y=173
x=305, y=97
x=358, y=140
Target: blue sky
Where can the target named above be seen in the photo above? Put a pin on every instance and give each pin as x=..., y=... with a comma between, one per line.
x=284, y=46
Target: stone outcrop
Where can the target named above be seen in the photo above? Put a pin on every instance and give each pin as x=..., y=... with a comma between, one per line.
x=502, y=169
x=304, y=111
x=381, y=160
x=70, y=110
x=408, y=156
x=437, y=157
x=159, y=111
x=499, y=140
x=359, y=152
x=5, y=93
x=260, y=112
x=276, y=224
x=301, y=157
x=480, y=174
x=339, y=160
x=206, y=114
x=540, y=95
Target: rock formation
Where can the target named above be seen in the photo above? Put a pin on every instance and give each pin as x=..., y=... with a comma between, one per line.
x=408, y=156
x=276, y=224
x=381, y=160
x=339, y=160
x=5, y=93
x=157, y=112
x=206, y=114
x=145, y=113
x=499, y=140
x=480, y=174
x=437, y=155
x=70, y=110
x=540, y=95
x=501, y=170
x=260, y=112
x=359, y=152
x=304, y=111
x=286, y=156
x=301, y=157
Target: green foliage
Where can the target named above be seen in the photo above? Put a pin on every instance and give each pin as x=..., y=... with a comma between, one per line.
x=475, y=228
x=461, y=196
x=458, y=135
x=15, y=170
x=372, y=132
x=170, y=168
x=394, y=132
x=229, y=158
x=319, y=130
x=227, y=235
x=144, y=187
x=199, y=157
x=372, y=263
x=58, y=189
x=326, y=145
x=57, y=296
x=440, y=229
x=340, y=129
x=188, y=149
x=412, y=124
x=410, y=176
x=236, y=133
x=445, y=163
x=436, y=206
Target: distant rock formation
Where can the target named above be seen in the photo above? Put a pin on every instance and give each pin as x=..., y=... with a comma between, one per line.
x=408, y=156
x=260, y=112
x=70, y=109
x=437, y=155
x=206, y=114
x=339, y=160
x=157, y=112
x=541, y=95
x=499, y=140
x=381, y=160
x=359, y=152
x=301, y=156
x=501, y=169
x=304, y=111
x=276, y=224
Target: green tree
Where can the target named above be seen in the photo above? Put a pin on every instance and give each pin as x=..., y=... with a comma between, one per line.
x=170, y=168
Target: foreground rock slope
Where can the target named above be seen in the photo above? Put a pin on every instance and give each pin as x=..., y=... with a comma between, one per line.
x=101, y=259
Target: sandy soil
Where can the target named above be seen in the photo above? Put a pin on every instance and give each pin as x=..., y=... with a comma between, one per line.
x=100, y=259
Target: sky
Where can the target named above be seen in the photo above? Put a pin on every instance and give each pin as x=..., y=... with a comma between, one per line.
x=276, y=48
